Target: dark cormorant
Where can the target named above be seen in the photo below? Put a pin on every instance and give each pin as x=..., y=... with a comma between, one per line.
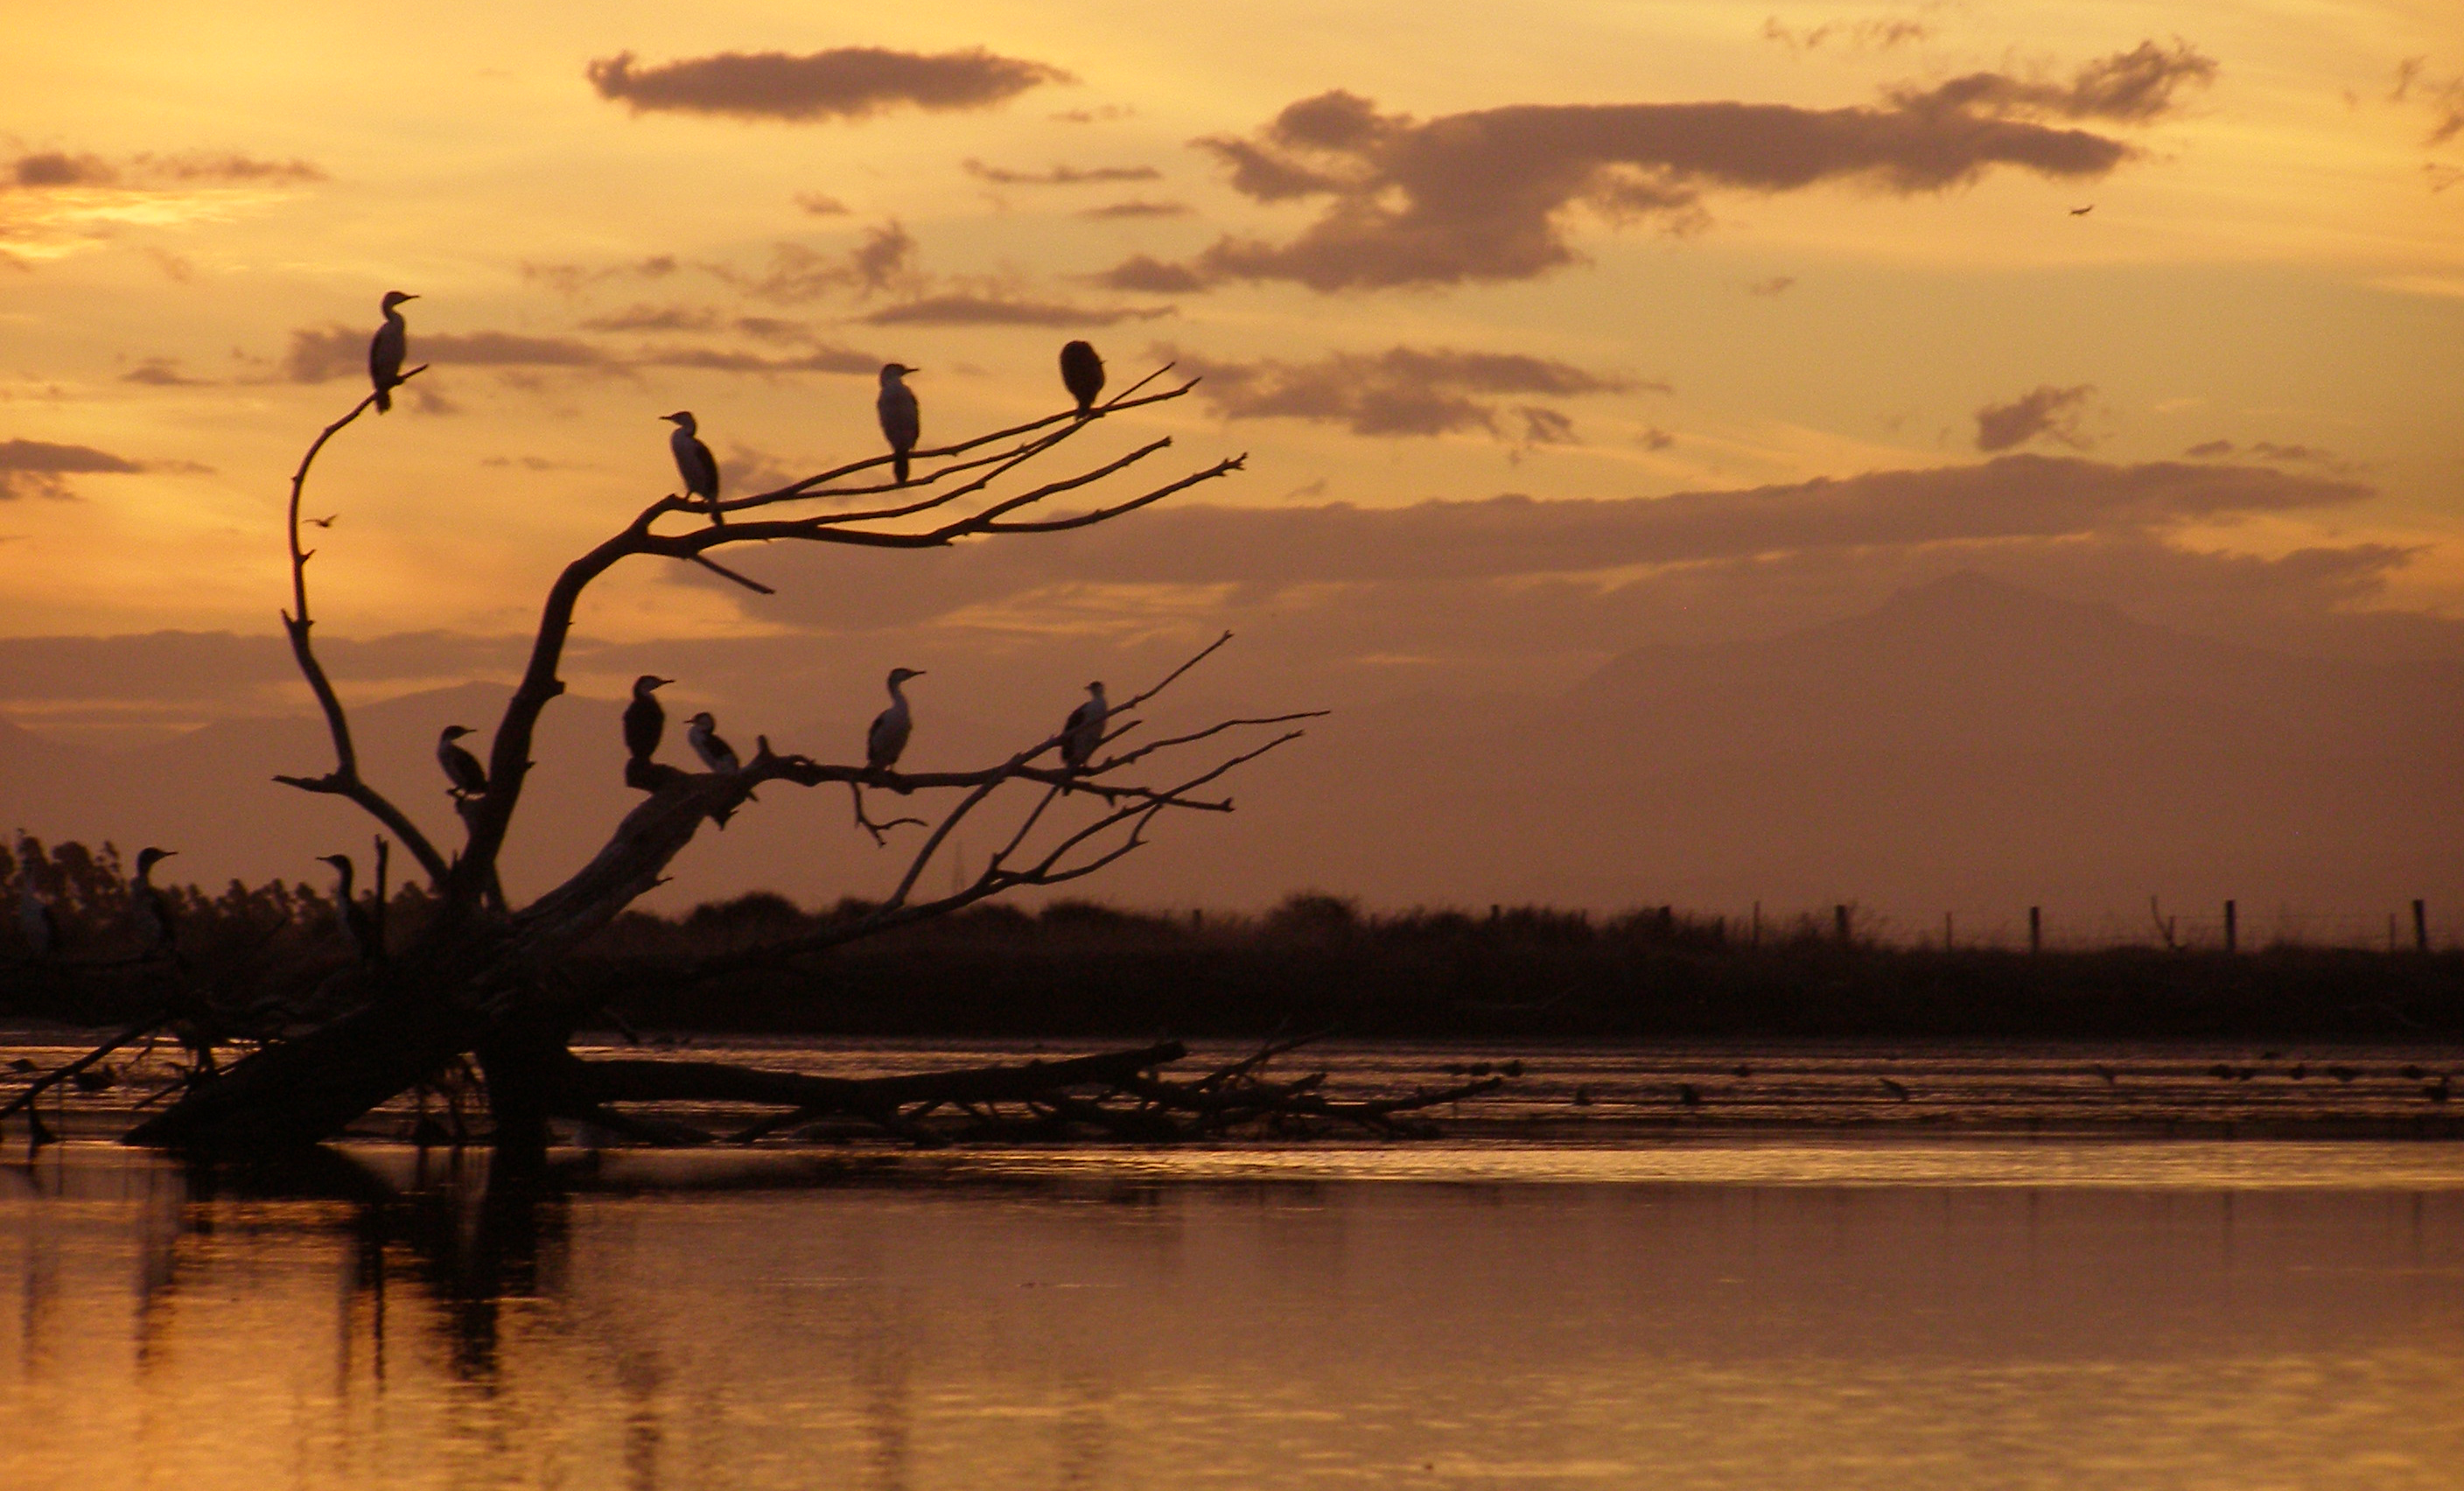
x=886, y=740
x=461, y=768
x=1084, y=730
x=702, y=732
x=645, y=722
x=147, y=910
x=900, y=422
x=694, y=463
x=387, y=348
x=1082, y=373
x=354, y=919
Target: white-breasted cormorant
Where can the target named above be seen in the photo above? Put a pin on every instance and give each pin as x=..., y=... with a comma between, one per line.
x=702, y=732
x=694, y=463
x=900, y=422
x=387, y=348
x=1082, y=373
x=886, y=740
x=462, y=769
x=645, y=722
x=147, y=911
x=1084, y=730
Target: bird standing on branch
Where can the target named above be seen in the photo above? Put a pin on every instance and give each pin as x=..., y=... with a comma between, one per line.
x=1082, y=373
x=387, y=348
x=462, y=769
x=354, y=919
x=147, y=910
x=886, y=740
x=645, y=722
x=900, y=421
x=702, y=731
x=1084, y=730
x=694, y=463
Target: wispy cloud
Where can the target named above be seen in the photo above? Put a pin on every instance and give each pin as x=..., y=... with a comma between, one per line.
x=977, y=310
x=1401, y=391
x=1060, y=175
x=843, y=84
x=46, y=171
x=2043, y=410
x=1116, y=210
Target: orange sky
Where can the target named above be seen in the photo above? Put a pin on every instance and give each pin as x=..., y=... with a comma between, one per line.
x=1610, y=253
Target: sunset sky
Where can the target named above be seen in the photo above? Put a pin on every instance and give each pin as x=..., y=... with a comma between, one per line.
x=1718, y=258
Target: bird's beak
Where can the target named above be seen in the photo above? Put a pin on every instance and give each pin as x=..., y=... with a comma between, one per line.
x=411, y=297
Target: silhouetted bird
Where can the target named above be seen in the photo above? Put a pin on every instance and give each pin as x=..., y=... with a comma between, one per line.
x=358, y=927
x=1897, y=1089
x=387, y=348
x=36, y=922
x=1689, y=1094
x=1084, y=729
x=694, y=463
x=2343, y=1073
x=645, y=722
x=1082, y=373
x=2411, y=1072
x=900, y=421
x=2083, y=211
x=702, y=732
x=147, y=910
x=461, y=768
x=2436, y=1091
x=886, y=740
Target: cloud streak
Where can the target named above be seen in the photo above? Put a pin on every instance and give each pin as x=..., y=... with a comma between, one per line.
x=2043, y=410
x=40, y=468
x=843, y=84
x=972, y=310
x=1060, y=175
x=53, y=169
x=1401, y=391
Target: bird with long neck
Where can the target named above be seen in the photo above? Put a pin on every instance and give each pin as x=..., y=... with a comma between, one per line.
x=901, y=423
x=701, y=731
x=886, y=740
x=148, y=911
x=387, y=349
x=462, y=769
x=694, y=463
x=1082, y=373
x=645, y=722
x=357, y=925
x=1084, y=730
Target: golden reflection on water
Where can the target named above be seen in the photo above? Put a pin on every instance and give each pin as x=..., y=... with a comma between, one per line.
x=1690, y=1316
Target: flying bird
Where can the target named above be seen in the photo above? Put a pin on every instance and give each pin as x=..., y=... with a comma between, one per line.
x=1084, y=729
x=702, y=731
x=387, y=348
x=2083, y=211
x=327, y=521
x=645, y=722
x=1082, y=373
x=694, y=463
x=147, y=910
x=886, y=740
x=900, y=423
x=462, y=769
x=356, y=923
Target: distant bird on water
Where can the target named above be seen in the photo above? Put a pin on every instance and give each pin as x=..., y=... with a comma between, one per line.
x=900, y=421
x=147, y=910
x=886, y=740
x=645, y=722
x=353, y=918
x=461, y=768
x=1082, y=373
x=694, y=463
x=702, y=732
x=1084, y=729
x=387, y=348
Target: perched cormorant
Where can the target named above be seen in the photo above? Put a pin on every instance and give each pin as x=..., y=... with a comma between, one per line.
x=694, y=463
x=147, y=911
x=702, y=732
x=886, y=740
x=1084, y=730
x=900, y=423
x=461, y=768
x=645, y=722
x=34, y=920
x=387, y=348
x=1082, y=373
x=353, y=918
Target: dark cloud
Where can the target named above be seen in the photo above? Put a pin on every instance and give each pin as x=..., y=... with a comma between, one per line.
x=45, y=169
x=654, y=317
x=2209, y=450
x=572, y=280
x=1880, y=34
x=819, y=206
x=1656, y=439
x=41, y=469
x=883, y=261
x=1149, y=275
x=1060, y=175
x=1139, y=209
x=846, y=82
x=334, y=351
x=1484, y=195
x=821, y=359
x=2043, y=410
x=161, y=373
x=970, y=310
x=1401, y=391
x=2444, y=98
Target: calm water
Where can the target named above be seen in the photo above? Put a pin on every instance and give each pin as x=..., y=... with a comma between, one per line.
x=1777, y=1313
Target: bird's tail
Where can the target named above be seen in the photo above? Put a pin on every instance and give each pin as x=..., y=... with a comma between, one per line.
x=898, y=467
x=384, y=399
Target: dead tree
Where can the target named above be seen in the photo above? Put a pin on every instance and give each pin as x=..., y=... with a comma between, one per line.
x=480, y=979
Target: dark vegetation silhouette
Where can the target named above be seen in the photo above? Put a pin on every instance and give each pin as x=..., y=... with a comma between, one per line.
x=288, y=1044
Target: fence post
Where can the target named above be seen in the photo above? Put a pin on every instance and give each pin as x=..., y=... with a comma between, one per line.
x=2420, y=927
x=2229, y=928
x=2035, y=930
